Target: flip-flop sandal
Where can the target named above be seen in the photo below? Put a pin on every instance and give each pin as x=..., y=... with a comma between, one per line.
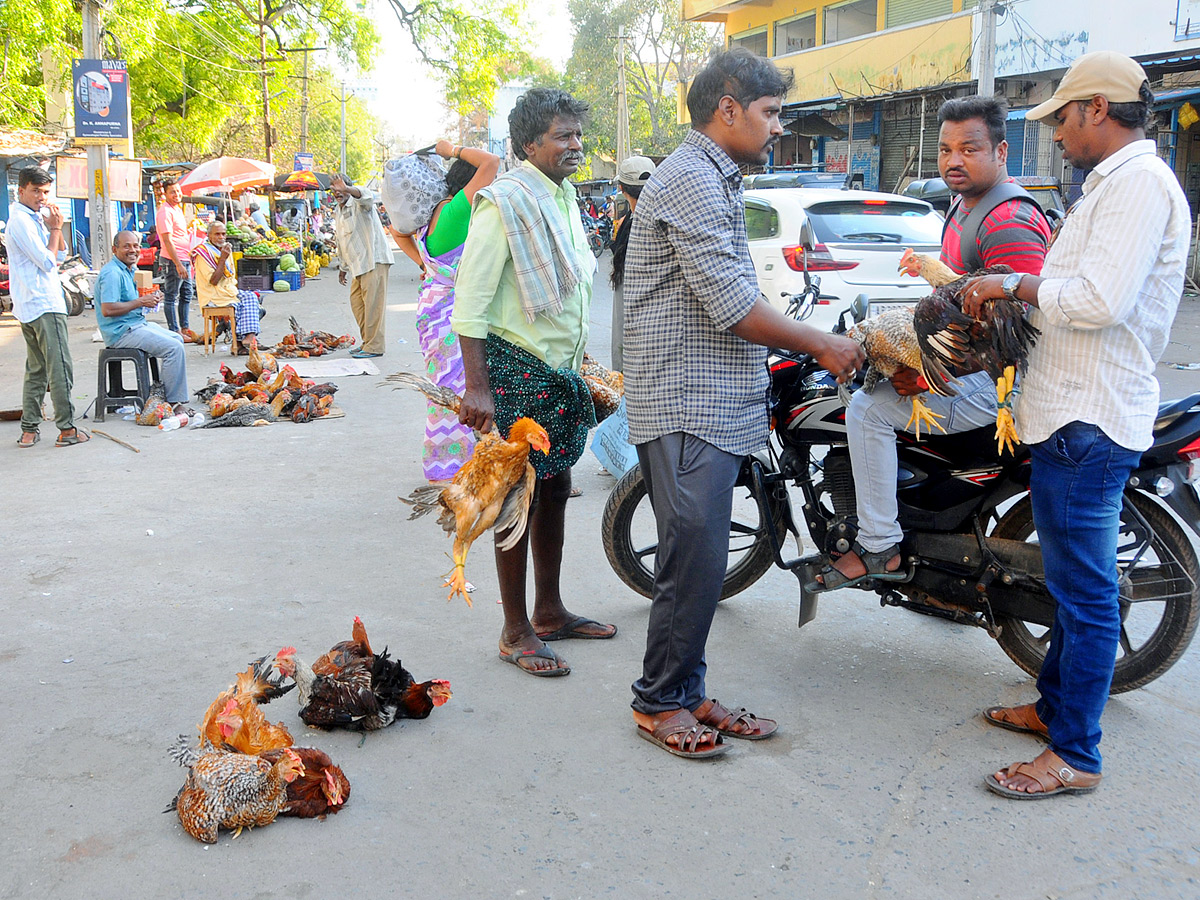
x=571, y=631
x=542, y=652
x=692, y=736
x=1025, y=719
x=79, y=437
x=724, y=720
x=1048, y=770
x=876, y=568
x=24, y=446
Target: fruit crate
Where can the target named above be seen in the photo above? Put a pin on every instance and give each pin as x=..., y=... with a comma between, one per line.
x=262, y=266
x=295, y=279
x=255, y=283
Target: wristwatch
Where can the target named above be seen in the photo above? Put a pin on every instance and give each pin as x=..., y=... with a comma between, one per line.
x=1011, y=283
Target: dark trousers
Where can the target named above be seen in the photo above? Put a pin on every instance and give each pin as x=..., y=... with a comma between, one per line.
x=690, y=483
x=47, y=366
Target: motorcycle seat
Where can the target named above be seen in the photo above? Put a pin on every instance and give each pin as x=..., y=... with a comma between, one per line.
x=1171, y=410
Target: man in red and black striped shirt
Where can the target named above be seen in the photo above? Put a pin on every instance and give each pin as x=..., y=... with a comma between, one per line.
x=972, y=158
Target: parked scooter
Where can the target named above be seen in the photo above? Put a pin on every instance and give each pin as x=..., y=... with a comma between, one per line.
x=78, y=283
x=970, y=551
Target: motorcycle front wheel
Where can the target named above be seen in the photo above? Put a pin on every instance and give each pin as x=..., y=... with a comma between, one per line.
x=631, y=540
x=1159, y=594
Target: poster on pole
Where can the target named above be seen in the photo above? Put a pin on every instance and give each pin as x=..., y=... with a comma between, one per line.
x=302, y=162
x=125, y=180
x=101, y=90
x=72, y=180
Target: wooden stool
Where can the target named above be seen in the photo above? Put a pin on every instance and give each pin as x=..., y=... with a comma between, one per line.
x=210, y=327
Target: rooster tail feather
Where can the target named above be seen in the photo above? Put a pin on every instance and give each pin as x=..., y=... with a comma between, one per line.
x=183, y=752
x=425, y=498
x=439, y=395
x=261, y=687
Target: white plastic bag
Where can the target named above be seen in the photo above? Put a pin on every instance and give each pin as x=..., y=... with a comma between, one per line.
x=412, y=186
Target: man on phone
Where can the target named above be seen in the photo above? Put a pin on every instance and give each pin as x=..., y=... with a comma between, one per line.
x=39, y=306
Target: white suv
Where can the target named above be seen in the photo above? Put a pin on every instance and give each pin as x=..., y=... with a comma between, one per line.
x=855, y=241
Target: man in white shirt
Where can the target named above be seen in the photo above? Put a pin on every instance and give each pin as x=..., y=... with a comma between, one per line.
x=364, y=253
x=1104, y=302
x=39, y=306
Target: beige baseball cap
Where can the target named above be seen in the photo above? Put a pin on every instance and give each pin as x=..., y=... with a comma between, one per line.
x=1113, y=75
x=635, y=170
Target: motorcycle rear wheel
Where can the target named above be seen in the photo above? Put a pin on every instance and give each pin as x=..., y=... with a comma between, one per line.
x=630, y=541
x=1166, y=574
x=75, y=303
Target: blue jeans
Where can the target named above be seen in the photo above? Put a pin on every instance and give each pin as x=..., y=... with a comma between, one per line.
x=167, y=346
x=178, y=289
x=1076, y=484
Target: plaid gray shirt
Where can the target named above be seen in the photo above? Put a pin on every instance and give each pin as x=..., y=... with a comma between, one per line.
x=688, y=279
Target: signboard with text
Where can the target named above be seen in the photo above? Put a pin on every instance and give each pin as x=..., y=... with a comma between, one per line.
x=302, y=162
x=101, y=91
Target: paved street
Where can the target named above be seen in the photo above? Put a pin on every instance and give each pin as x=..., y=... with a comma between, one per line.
x=136, y=585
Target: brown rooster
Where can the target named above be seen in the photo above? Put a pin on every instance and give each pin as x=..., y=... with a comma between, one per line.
x=258, y=361
x=230, y=790
x=493, y=489
x=234, y=718
x=998, y=342
x=322, y=789
x=351, y=687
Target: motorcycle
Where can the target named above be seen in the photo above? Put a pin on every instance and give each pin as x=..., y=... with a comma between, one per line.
x=970, y=552
x=78, y=283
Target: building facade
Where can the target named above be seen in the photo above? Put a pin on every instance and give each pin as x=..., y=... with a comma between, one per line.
x=871, y=74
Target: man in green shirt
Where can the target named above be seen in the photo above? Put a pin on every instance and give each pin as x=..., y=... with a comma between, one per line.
x=522, y=297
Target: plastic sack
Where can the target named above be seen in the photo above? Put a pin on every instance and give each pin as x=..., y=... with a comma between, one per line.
x=412, y=186
x=610, y=443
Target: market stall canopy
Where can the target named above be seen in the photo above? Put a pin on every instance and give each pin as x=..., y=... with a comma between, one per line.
x=227, y=173
x=302, y=181
x=812, y=125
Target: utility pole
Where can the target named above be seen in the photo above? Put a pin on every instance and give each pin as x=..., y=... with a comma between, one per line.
x=266, y=96
x=342, y=170
x=97, y=155
x=622, y=100
x=304, y=94
x=987, y=48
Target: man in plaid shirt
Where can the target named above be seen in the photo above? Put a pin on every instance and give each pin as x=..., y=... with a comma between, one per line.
x=696, y=383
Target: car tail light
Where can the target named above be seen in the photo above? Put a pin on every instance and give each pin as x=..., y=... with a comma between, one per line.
x=819, y=259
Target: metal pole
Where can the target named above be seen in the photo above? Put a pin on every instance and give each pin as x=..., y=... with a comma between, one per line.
x=101, y=238
x=266, y=88
x=622, y=101
x=921, y=141
x=987, y=48
x=304, y=108
x=343, y=168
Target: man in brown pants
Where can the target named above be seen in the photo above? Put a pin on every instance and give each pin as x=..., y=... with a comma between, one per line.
x=366, y=255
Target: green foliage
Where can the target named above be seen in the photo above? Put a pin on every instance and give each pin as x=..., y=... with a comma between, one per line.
x=661, y=51
x=472, y=45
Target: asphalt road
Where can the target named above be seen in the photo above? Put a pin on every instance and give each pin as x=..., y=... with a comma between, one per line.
x=134, y=586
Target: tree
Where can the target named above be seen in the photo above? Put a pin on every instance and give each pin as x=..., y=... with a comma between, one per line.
x=661, y=51
x=470, y=44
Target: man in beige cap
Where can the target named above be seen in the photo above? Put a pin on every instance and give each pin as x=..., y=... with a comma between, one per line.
x=632, y=175
x=1104, y=302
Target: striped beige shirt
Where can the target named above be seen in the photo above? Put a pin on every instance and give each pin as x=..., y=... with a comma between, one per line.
x=1112, y=283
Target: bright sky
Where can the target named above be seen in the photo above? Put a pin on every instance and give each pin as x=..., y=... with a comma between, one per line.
x=408, y=100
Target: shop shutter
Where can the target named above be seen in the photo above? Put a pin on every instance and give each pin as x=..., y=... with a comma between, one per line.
x=904, y=12
x=901, y=130
x=1015, y=135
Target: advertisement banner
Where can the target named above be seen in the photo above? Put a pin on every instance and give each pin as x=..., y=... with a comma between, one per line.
x=101, y=90
x=125, y=180
x=302, y=162
x=72, y=177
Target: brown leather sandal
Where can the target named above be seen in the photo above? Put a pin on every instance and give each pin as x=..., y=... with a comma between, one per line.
x=739, y=723
x=1017, y=718
x=694, y=738
x=1049, y=771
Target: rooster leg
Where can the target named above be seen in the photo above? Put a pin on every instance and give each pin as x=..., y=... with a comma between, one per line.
x=922, y=413
x=457, y=578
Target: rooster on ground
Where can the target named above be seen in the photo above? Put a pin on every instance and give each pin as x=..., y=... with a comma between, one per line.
x=322, y=789
x=999, y=342
x=234, y=718
x=230, y=790
x=354, y=688
x=493, y=489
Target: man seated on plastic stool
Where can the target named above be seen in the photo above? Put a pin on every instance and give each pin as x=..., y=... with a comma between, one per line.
x=121, y=315
x=216, y=283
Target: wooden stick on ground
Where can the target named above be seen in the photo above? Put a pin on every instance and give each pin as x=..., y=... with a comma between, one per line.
x=115, y=440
